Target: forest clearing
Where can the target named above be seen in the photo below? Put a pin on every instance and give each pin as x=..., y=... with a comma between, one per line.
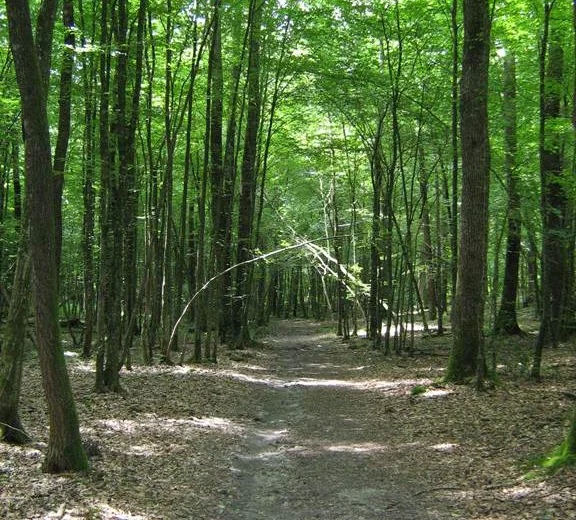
x=305, y=426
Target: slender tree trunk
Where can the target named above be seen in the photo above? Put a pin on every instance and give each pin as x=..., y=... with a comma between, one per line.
x=64, y=103
x=112, y=162
x=506, y=320
x=12, y=353
x=129, y=192
x=455, y=154
x=167, y=195
x=248, y=182
x=89, y=199
x=554, y=199
x=152, y=299
x=428, y=251
x=376, y=247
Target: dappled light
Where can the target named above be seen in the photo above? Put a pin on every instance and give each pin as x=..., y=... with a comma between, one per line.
x=271, y=435
x=129, y=426
x=436, y=392
x=521, y=491
x=108, y=512
x=368, y=447
x=287, y=260
x=369, y=384
x=445, y=447
x=296, y=419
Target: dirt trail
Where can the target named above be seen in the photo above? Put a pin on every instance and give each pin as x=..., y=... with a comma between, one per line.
x=301, y=428
x=320, y=446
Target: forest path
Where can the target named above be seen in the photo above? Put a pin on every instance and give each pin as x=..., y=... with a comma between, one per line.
x=323, y=443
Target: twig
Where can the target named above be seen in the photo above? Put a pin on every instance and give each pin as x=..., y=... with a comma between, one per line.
x=13, y=428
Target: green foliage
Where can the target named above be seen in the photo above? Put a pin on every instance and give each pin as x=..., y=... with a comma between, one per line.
x=418, y=390
x=560, y=457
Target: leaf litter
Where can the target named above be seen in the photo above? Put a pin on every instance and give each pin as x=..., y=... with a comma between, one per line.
x=303, y=426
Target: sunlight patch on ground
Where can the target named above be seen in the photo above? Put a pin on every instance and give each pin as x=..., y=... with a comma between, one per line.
x=270, y=381
x=254, y=368
x=365, y=447
x=213, y=423
x=271, y=435
x=358, y=385
x=323, y=365
x=145, y=450
x=372, y=384
x=445, y=447
x=517, y=492
x=394, y=331
x=82, y=366
x=97, y=510
x=431, y=394
x=108, y=512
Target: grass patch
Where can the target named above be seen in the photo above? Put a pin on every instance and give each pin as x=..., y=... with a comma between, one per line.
x=560, y=457
x=418, y=390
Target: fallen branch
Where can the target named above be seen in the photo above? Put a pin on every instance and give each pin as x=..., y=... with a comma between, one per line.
x=231, y=268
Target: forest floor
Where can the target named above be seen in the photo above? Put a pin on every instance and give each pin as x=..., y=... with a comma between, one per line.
x=305, y=426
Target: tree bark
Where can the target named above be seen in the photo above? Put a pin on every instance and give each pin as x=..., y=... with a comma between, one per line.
x=65, y=451
x=12, y=353
x=468, y=313
x=506, y=320
x=248, y=180
x=554, y=197
x=64, y=113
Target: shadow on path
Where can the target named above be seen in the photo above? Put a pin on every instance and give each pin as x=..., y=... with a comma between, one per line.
x=320, y=446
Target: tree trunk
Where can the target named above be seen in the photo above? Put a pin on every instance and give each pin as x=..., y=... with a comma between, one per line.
x=468, y=311
x=455, y=155
x=65, y=451
x=89, y=197
x=129, y=193
x=506, y=320
x=554, y=197
x=12, y=353
x=64, y=103
x=248, y=181
x=111, y=140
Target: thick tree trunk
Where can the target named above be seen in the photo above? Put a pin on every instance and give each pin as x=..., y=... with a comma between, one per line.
x=65, y=451
x=468, y=314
